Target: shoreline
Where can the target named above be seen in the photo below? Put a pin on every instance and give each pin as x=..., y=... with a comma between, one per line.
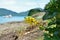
x=12, y=22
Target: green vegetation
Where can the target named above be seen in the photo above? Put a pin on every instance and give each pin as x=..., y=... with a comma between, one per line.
x=52, y=17
x=33, y=11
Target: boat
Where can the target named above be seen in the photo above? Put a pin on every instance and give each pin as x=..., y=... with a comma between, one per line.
x=7, y=16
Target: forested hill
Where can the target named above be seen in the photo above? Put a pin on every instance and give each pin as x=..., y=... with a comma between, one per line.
x=4, y=12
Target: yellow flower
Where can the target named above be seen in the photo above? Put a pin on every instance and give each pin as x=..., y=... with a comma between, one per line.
x=31, y=20
x=34, y=20
x=35, y=23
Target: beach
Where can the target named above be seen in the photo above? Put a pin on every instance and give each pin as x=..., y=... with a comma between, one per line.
x=7, y=30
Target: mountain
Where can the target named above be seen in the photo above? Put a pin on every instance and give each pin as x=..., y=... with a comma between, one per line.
x=23, y=13
x=4, y=12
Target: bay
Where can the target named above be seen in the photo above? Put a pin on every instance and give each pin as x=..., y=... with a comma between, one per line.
x=11, y=19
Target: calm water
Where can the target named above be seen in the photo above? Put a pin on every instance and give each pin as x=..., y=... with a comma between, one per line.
x=14, y=18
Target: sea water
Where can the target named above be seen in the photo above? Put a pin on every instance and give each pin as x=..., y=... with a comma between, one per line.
x=11, y=19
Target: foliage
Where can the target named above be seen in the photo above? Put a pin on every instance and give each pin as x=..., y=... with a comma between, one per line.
x=33, y=11
x=53, y=17
x=52, y=9
x=53, y=6
x=47, y=37
x=50, y=29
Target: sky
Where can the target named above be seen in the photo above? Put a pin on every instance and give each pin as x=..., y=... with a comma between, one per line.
x=22, y=5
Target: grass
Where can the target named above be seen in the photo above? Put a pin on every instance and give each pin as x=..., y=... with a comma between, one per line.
x=40, y=38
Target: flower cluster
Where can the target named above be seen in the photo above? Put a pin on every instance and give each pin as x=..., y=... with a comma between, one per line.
x=31, y=20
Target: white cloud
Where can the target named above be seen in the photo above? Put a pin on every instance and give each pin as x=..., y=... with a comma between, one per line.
x=20, y=5
x=7, y=3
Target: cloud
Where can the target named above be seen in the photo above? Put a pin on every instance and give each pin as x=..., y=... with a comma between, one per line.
x=21, y=5
x=7, y=3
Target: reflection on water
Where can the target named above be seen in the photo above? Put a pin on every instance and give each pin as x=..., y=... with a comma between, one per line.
x=14, y=18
